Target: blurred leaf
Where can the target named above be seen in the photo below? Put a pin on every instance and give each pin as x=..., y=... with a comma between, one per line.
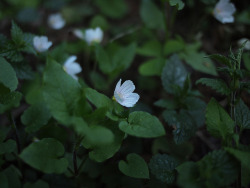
x=7, y=147
x=104, y=60
x=222, y=59
x=45, y=155
x=103, y=152
x=35, y=117
x=163, y=167
x=112, y=8
x=219, y=123
x=180, y=152
x=166, y=103
x=173, y=74
x=242, y=115
x=123, y=58
x=173, y=46
x=98, y=99
x=8, y=75
x=246, y=60
x=61, y=92
x=178, y=3
x=217, y=84
x=13, y=175
x=3, y=181
x=150, y=48
x=28, y=15
x=136, y=167
x=151, y=15
x=37, y=184
x=152, y=67
x=99, y=21
x=242, y=156
x=197, y=61
x=98, y=81
x=142, y=124
x=217, y=169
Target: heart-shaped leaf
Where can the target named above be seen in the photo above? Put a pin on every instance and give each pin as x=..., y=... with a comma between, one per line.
x=136, y=167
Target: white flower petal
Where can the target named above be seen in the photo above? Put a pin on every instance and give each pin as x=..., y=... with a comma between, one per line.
x=72, y=67
x=127, y=87
x=223, y=11
x=56, y=21
x=93, y=35
x=41, y=44
x=124, y=93
x=78, y=33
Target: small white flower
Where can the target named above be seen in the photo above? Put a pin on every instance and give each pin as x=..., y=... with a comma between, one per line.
x=223, y=11
x=124, y=95
x=56, y=21
x=41, y=43
x=93, y=35
x=247, y=45
x=78, y=33
x=72, y=67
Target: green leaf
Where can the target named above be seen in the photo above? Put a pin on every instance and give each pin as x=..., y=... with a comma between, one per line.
x=151, y=15
x=217, y=84
x=103, y=152
x=13, y=175
x=219, y=123
x=173, y=46
x=166, y=103
x=16, y=33
x=242, y=115
x=136, y=167
x=150, y=48
x=246, y=60
x=242, y=156
x=163, y=167
x=217, y=169
x=35, y=117
x=123, y=58
x=142, y=124
x=173, y=75
x=197, y=61
x=104, y=60
x=61, y=92
x=3, y=181
x=37, y=184
x=7, y=75
x=98, y=99
x=7, y=147
x=45, y=155
x=152, y=67
x=112, y=8
x=222, y=59
x=178, y=3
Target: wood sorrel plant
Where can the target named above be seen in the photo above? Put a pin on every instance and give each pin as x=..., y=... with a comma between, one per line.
x=60, y=126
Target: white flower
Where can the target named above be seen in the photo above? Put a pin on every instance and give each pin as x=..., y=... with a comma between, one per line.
x=78, y=33
x=223, y=11
x=72, y=67
x=124, y=95
x=56, y=21
x=247, y=45
x=41, y=43
x=93, y=35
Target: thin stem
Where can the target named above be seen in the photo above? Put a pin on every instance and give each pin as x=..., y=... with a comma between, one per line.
x=82, y=163
x=75, y=162
x=13, y=125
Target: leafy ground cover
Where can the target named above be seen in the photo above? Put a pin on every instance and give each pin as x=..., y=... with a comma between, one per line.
x=115, y=93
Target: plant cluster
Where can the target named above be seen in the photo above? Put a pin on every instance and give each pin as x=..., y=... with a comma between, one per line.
x=77, y=110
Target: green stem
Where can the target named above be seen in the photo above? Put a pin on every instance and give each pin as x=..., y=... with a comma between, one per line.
x=13, y=125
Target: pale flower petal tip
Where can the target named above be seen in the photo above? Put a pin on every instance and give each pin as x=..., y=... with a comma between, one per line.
x=78, y=33
x=124, y=95
x=93, y=35
x=71, y=67
x=56, y=21
x=224, y=11
x=247, y=45
x=41, y=43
